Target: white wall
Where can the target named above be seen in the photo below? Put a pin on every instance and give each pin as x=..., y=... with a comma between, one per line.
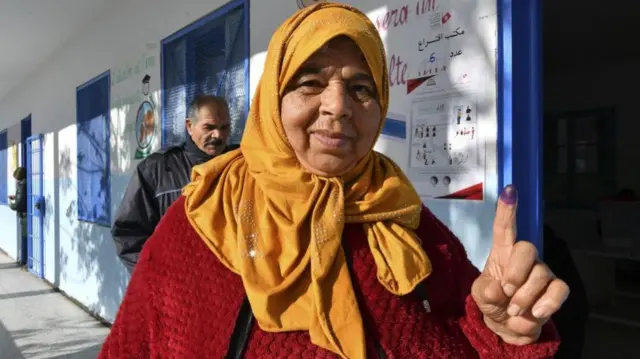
x=9, y=225
x=9, y=240
x=80, y=257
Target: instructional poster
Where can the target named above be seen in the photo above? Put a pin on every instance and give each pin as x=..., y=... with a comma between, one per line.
x=445, y=148
x=442, y=74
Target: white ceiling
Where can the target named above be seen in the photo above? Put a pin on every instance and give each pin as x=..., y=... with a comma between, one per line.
x=32, y=30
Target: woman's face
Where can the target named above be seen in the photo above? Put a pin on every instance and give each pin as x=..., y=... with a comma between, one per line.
x=330, y=110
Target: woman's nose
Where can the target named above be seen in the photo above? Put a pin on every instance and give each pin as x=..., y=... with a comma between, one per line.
x=335, y=102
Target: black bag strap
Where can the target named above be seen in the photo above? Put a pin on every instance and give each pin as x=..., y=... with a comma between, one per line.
x=241, y=331
x=244, y=320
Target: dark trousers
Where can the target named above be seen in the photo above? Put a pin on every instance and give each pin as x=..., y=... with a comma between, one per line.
x=22, y=235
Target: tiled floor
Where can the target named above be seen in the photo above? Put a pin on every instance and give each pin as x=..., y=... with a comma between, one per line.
x=38, y=323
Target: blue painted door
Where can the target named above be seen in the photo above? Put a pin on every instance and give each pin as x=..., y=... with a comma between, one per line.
x=35, y=206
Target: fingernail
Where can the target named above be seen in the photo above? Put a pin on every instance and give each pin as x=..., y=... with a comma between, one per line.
x=539, y=312
x=509, y=194
x=514, y=310
x=509, y=289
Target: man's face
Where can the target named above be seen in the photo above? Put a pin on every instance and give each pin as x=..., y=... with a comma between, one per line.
x=210, y=131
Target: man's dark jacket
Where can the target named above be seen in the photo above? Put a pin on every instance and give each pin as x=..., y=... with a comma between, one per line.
x=20, y=201
x=156, y=183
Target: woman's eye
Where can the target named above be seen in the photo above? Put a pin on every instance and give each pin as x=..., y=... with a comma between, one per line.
x=362, y=90
x=311, y=83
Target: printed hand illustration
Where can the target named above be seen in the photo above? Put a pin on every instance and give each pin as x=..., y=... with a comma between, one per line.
x=516, y=292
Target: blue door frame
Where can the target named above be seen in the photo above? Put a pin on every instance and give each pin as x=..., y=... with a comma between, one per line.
x=520, y=111
x=35, y=206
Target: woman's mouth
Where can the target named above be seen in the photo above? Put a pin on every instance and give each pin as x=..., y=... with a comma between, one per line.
x=333, y=140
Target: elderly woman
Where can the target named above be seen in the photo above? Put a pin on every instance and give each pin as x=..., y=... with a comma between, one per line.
x=305, y=243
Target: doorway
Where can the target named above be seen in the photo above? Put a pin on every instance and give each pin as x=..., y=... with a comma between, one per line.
x=35, y=206
x=591, y=181
x=25, y=133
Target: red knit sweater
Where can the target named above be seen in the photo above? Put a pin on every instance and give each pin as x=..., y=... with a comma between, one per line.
x=183, y=303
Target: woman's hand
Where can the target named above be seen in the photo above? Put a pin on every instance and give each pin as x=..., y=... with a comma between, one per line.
x=516, y=292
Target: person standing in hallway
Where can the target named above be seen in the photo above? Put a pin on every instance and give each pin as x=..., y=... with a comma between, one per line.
x=18, y=203
x=158, y=180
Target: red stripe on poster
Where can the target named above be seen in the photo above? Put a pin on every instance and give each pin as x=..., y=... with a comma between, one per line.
x=473, y=193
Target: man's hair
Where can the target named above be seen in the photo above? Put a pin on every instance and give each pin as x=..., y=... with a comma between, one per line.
x=20, y=173
x=217, y=102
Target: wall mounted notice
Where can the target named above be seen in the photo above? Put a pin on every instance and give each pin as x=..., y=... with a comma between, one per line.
x=442, y=81
x=445, y=149
x=133, y=103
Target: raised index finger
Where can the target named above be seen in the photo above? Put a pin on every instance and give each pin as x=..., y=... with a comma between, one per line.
x=504, y=225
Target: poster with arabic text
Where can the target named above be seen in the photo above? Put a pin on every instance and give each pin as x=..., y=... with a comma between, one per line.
x=441, y=61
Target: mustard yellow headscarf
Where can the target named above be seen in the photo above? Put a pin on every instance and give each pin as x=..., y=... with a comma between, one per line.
x=280, y=227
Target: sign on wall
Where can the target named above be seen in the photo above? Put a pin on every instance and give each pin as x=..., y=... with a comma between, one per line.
x=442, y=91
x=146, y=128
x=134, y=105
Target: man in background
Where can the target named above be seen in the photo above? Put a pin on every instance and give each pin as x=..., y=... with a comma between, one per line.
x=158, y=180
x=18, y=203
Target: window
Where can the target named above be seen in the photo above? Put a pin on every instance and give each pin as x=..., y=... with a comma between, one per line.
x=209, y=57
x=94, y=183
x=579, y=165
x=4, y=165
